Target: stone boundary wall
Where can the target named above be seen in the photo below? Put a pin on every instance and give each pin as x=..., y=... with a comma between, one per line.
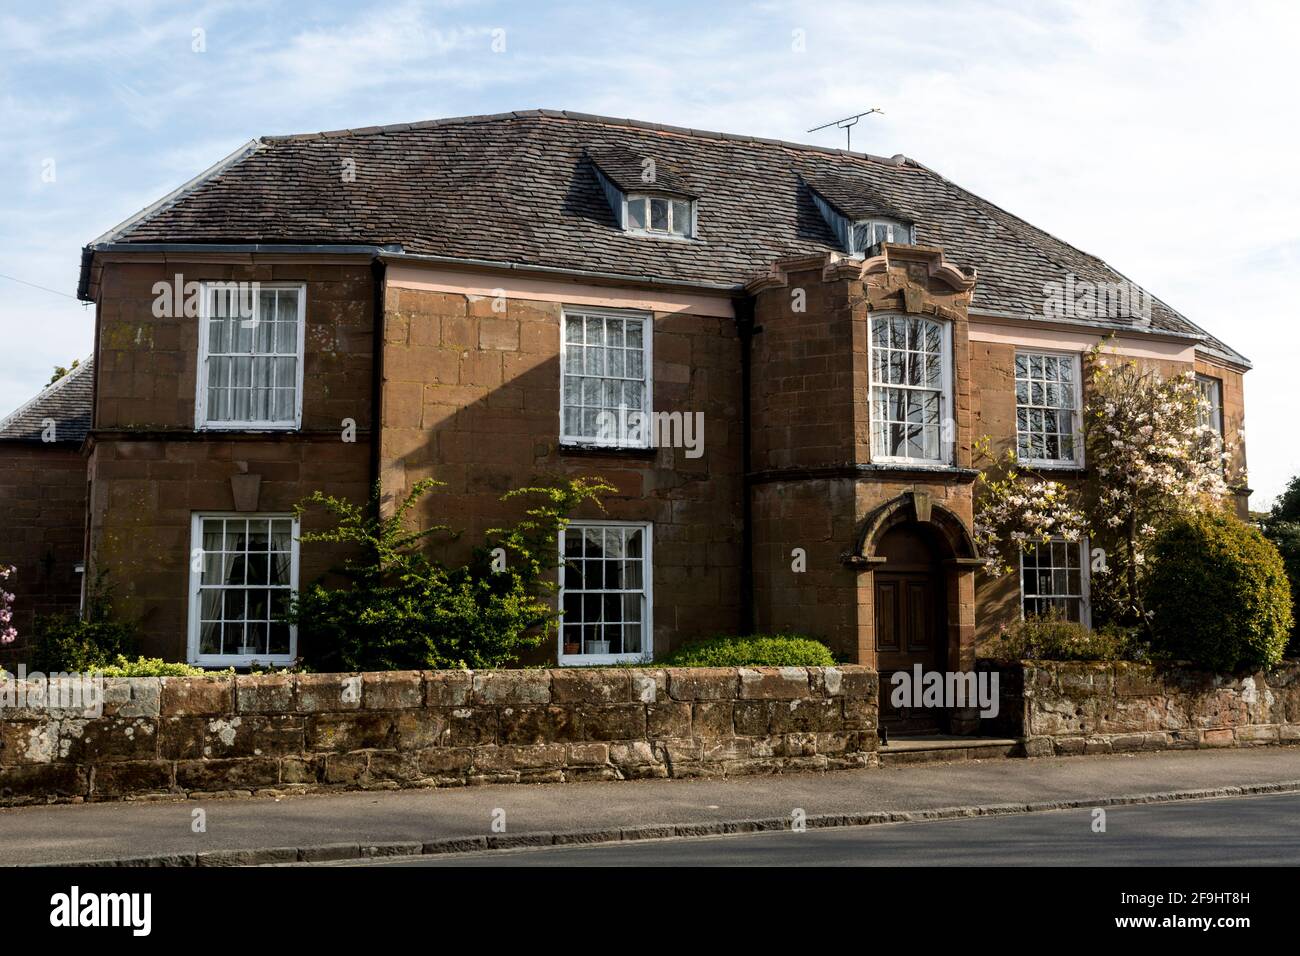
x=309, y=732
x=1087, y=708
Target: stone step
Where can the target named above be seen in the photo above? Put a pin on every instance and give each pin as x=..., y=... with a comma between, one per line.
x=942, y=747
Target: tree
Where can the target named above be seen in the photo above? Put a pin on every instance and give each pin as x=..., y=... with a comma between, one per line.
x=1019, y=509
x=1282, y=527
x=1149, y=458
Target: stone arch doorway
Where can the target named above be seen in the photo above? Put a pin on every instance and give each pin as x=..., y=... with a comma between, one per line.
x=920, y=560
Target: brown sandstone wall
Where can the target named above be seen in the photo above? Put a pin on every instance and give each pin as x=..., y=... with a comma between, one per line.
x=471, y=398
x=306, y=732
x=43, y=514
x=150, y=470
x=1086, y=708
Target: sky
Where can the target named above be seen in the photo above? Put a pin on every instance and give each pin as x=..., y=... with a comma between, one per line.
x=1162, y=137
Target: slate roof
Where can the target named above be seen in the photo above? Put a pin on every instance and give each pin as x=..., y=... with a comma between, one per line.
x=851, y=197
x=521, y=188
x=627, y=168
x=69, y=402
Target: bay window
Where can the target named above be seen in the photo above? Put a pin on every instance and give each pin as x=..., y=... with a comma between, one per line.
x=910, y=390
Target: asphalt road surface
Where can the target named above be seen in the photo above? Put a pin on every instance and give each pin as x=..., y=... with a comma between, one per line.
x=1241, y=831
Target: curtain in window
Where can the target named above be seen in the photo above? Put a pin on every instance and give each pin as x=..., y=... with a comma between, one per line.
x=253, y=356
x=604, y=379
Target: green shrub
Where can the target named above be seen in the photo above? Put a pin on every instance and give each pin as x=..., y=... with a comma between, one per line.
x=1218, y=594
x=1053, y=638
x=152, y=667
x=779, y=650
x=399, y=609
x=1282, y=527
x=71, y=643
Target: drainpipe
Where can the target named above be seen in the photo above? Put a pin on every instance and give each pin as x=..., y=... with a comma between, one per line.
x=379, y=272
x=744, y=308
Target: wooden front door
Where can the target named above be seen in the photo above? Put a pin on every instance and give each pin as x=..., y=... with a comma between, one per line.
x=911, y=627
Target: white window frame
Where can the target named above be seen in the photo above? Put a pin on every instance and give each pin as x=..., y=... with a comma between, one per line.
x=660, y=233
x=647, y=359
x=895, y=227
x=647, y=590
x=196, y=579
x=945, y=392
x=1085, y=581
x=1216, y=409
x=201, y=422
x=1076, y=419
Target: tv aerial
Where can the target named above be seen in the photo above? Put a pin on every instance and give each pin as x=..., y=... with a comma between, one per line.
x=847, y=125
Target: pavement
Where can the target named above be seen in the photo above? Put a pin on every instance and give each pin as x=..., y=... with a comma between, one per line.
x=1240, y=831
x=340, y=826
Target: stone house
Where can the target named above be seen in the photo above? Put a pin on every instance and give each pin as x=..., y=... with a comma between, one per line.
x=821, y=336
x=43, y=501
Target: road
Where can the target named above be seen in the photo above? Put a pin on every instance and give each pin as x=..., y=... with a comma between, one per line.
x=165, y=830
x=1235, y=831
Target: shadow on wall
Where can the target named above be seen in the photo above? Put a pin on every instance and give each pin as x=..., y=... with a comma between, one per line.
x=472, y=399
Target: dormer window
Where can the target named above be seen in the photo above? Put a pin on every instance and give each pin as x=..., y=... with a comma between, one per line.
x=867, y=234
x=858, y=218
x=648, y=195
x=659, y=214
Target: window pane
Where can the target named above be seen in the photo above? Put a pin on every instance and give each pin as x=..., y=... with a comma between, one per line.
x=604, y=378
x=681, y=218
x=278, y=639
x=607, y=598
x=659, y=215
x=210, y=637
x=636, y=212
x=245, y=336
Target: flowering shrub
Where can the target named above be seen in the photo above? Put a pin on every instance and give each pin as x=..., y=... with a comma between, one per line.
x=757, y=650
x=1150, y=459
x=7, y=632
x=1020, y=509
x=120, y=666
